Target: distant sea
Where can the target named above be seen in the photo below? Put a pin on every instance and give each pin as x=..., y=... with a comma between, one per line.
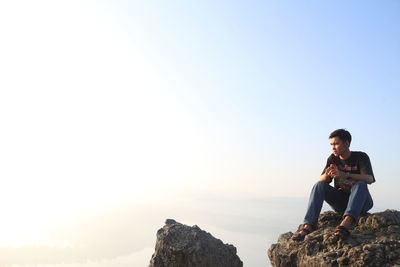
x=125, y=236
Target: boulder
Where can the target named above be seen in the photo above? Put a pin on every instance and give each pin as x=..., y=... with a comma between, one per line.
x=179, y=245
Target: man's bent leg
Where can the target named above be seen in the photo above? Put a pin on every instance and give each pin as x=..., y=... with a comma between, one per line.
x=369, y=203
x=359, y=201
x=320, y=192
x=339, y=201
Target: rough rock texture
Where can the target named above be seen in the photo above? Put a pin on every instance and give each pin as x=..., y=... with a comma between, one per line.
x=180, y=245
x=375, y=241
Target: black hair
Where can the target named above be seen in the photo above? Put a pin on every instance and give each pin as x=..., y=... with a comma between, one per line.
x=343, y=134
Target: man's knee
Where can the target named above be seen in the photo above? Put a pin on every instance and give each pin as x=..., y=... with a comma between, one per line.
x=321, y=184
x=359, y=185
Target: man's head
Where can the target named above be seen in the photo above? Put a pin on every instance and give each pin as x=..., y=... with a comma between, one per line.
x=340, y=142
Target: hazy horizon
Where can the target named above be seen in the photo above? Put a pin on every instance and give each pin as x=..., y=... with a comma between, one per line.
x=123, y=232
x=124, y=236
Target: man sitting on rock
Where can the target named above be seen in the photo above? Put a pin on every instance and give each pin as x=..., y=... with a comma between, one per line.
x=351, y=172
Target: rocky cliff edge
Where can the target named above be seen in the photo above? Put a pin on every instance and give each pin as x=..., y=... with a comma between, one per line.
x=375, y=241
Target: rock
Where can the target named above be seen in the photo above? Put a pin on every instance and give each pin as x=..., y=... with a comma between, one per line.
x=180, y=245
x=375, y=241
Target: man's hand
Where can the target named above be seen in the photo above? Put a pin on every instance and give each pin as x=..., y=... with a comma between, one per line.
x=333, y=171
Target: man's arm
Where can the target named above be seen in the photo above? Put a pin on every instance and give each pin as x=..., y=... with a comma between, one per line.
x=336, y=173
x=325, y=178
x=369, y=179
x=366, y=173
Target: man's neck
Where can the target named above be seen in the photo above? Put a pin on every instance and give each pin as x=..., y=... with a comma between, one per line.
x=346, y=155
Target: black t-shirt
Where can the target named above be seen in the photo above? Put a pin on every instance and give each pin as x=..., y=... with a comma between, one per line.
x=357, y=163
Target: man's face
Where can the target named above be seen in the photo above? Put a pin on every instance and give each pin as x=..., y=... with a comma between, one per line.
x=338, y=146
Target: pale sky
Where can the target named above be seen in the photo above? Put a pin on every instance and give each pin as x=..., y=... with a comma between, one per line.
x=103, y=102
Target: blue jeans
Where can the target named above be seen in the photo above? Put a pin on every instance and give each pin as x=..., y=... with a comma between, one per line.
x=357, y=202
